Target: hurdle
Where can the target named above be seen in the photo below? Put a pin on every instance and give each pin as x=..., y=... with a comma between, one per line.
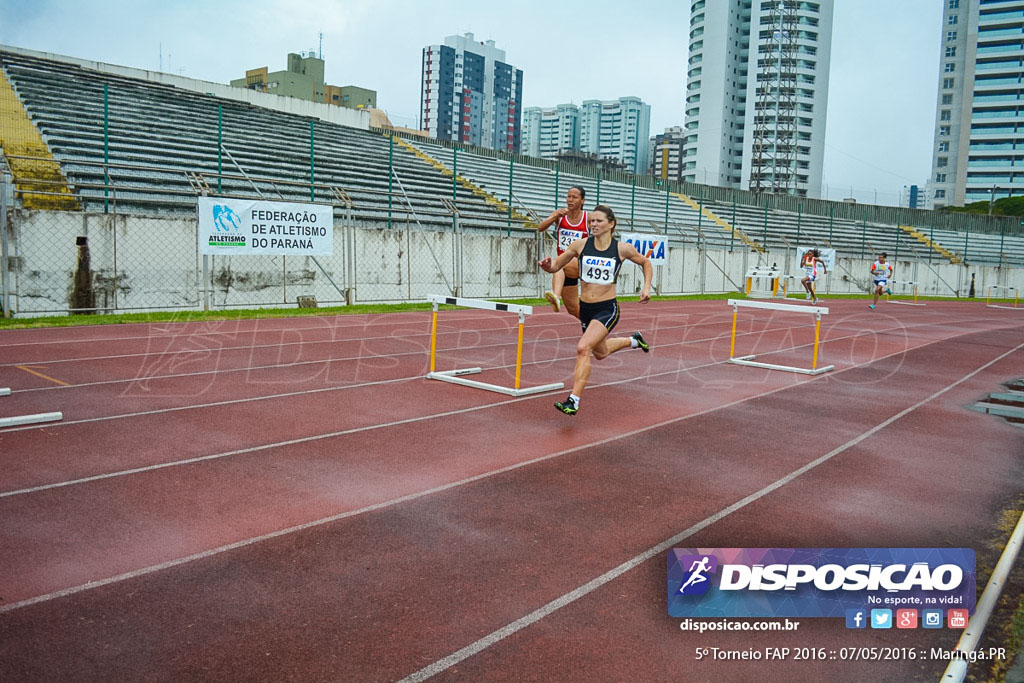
x=905, y=303
x=817, y=311
x=770, y=283
x=30, y=419
x=26, y=419
x=988, y=296
x=458, y=376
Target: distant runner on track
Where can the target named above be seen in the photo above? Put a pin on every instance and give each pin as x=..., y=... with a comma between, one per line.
x=810, y=262
x=881, y=272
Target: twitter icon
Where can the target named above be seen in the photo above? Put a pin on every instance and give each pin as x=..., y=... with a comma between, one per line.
x=881, y=618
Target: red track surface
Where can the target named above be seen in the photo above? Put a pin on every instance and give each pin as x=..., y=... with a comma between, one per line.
x=291, y=499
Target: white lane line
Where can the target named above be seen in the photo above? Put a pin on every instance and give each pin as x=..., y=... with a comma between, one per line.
x=211, y=330
x=252, y=449
x=458, y=330
x=249, y=399
x=592, y=585
x=218, y=349
x=423, y=351
x=318, y=437
x=522, y=623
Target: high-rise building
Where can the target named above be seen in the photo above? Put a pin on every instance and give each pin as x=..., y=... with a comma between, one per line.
x=915, y=197
x=469, y=94
x=979, y=119
x=617, y=129
x=550, y=131
x=757, y=93
x=304, y=79
x=666, y=157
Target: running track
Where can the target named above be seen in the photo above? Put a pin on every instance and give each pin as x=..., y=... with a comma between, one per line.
x=290, y=499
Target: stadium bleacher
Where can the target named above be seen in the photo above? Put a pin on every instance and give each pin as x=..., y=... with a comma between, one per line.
x=157, y=135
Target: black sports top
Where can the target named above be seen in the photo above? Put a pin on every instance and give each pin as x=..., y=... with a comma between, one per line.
x=600, y=267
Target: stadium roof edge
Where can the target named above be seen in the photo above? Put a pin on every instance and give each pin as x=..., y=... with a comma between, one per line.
x=354, y=118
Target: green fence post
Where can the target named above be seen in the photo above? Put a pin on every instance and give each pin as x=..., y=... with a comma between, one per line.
x=700, y=210
x=799, y=208
x=732, y=236
x=558, y=165
x=764, y=238
x=897, y=256
x=632, y=203
x=106, y=144
x=511, y=170
x=967, y=234
x=863, y=233
x=831, y=211
x=666, y=207
x=220, y=147
x=598, y=188
x=1002, y=236
x=312, y=165
x=390, y=175
x=931, y=240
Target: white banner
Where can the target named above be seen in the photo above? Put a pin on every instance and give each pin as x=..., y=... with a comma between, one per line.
x=653, y=247
x=827, y=255
x=254, y=226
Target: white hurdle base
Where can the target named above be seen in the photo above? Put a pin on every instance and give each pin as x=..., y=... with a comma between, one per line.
x=457, y=377
x=30, y=419
x=905, y=303
x=1009, y=308
x=746, y=360
x=817, y=311
x=5, y=391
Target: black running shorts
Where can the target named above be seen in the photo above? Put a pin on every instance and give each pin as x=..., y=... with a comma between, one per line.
x=604, y=312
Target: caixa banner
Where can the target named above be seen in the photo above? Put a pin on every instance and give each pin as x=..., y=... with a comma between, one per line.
x=817, y=582
x=248, y=226
x=653, y=247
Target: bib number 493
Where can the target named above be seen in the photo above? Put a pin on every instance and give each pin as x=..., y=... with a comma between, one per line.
x=598, y=270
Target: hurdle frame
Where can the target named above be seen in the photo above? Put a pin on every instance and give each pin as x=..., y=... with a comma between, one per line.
x=890, y=300
x=818, y=311
x=988, y=297
x=17, y=420
x=458, y=376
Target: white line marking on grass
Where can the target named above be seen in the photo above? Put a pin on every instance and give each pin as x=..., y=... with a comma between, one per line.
x=592, y=585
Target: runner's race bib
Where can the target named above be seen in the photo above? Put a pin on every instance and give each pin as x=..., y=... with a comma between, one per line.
x=567, y=237
x=597, y=270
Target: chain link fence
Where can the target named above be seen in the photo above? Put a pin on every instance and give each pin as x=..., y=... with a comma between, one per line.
x=80, y=262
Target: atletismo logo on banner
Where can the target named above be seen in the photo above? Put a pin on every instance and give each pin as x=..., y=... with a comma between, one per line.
x=816, y=582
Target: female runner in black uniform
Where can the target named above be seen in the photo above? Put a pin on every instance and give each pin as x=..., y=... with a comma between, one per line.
x=600, y=257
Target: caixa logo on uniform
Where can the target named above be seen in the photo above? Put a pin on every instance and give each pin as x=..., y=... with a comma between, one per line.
x=807, y=582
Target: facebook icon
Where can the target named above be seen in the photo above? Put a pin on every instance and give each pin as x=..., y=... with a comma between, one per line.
x=856, y=618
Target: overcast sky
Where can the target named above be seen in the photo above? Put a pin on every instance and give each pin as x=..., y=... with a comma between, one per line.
x=883, y=84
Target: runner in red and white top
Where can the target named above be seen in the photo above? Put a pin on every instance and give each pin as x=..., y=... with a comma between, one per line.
x=810, y=262
x=572, y=226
